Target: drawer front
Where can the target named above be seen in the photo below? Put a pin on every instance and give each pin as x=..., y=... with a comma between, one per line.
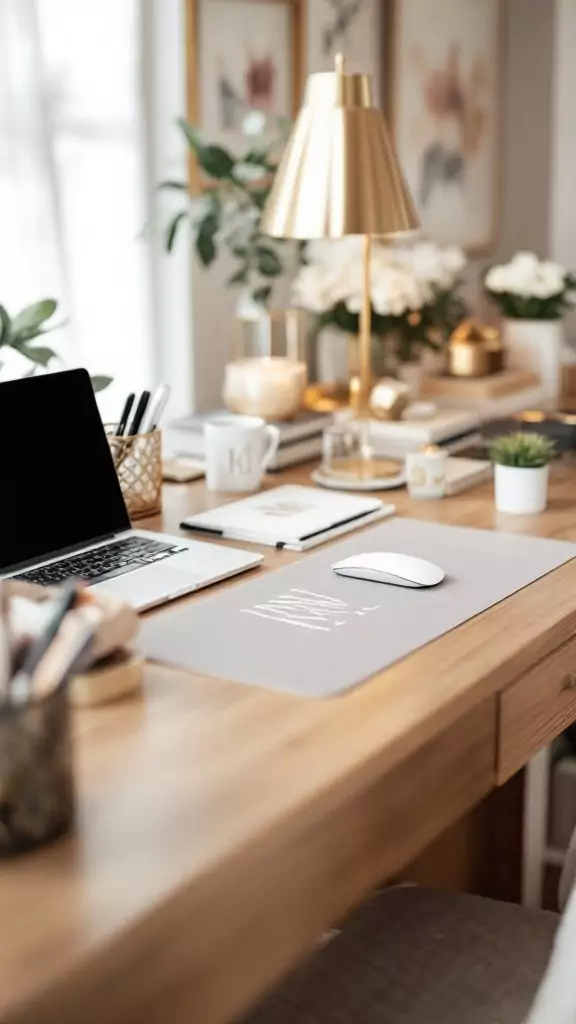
x=536, y=709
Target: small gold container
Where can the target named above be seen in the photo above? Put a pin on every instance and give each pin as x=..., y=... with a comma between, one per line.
x=496, y=361
x=469, y=351
x=138, y=462
x=389, y=398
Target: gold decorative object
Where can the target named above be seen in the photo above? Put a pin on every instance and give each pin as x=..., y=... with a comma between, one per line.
x=271, y=387
x=495, y=349
x=138, y=462
x=468, y=349
x=339, y=176
x=389, y=398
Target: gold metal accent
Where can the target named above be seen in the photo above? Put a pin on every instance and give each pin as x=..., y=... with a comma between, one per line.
x=531, y=416
x=469, y=349
x=569, y=682
x=353, y=468
x=327, y=397
x=339, y=176
x=388, y=399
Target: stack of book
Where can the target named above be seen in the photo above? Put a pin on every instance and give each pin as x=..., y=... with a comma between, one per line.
x=300, y=438
x=452, y=429
x=500, y=394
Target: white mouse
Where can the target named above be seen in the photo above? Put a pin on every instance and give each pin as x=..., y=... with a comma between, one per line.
x=390, y=567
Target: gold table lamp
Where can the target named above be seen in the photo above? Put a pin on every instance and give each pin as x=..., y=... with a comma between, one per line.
x=340, y=176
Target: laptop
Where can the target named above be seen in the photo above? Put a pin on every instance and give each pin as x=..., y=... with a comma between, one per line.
x=62, y=513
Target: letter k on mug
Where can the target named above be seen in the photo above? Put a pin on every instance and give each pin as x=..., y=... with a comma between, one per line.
x=238, y=450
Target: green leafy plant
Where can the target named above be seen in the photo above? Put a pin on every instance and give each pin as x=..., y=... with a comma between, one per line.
x=525, y=451
x=31, y=323
x=228, y=211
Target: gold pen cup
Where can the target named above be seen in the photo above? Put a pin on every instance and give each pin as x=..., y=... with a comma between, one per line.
x=36, y=782
x=138, y=462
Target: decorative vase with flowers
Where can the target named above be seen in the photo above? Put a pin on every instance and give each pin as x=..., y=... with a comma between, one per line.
x=415, y=297
x=521, y=472
x=533, y=296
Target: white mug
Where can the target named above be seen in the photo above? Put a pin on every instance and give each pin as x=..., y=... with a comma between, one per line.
x=238, y=450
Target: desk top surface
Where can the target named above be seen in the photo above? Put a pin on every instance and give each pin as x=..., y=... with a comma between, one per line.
x=174, y=785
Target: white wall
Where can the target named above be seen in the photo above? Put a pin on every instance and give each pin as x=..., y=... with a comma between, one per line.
x=563, y=192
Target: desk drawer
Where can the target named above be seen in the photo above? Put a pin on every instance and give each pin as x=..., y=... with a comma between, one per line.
x=536, y=709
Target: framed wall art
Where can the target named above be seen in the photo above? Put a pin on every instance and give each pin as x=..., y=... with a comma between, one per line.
x=443, y=100
x=351, y=27
x=244, y=68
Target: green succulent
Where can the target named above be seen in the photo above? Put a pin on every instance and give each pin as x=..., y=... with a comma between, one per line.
x=22, y=331
x=526, y=451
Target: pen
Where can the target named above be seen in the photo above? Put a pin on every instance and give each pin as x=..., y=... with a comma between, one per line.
x=155, y=409
x=69, y=654
x=134, y=427
x=125, y=414
x=21, y=683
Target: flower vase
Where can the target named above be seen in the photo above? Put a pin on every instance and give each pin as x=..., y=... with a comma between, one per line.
x=537, y=345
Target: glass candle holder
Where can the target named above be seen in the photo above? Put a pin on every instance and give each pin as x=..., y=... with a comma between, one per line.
x=348, y=454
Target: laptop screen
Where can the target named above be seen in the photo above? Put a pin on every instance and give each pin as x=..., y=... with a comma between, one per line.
x=58, y=485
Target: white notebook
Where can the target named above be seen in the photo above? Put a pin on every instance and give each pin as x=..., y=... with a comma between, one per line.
x=290, y=517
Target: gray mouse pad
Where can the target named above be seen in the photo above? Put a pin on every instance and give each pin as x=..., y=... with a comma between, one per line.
x=307, y=631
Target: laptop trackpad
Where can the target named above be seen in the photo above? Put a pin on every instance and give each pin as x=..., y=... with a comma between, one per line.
x=150, y=585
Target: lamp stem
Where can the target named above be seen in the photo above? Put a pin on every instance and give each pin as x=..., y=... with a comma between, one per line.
x=365, y=331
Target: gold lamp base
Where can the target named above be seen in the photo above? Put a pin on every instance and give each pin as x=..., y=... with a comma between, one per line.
x=363, y=471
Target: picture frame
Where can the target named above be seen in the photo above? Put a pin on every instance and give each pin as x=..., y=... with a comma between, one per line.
x=354, y=28
x=443, y=97
x=239, y=82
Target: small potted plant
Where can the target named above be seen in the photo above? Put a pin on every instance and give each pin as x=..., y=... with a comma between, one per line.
x=521, y=472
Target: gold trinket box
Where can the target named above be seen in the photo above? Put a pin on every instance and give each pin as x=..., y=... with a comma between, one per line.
x=474, y=350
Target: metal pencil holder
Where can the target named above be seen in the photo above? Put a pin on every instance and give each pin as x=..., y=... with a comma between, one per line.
x=36, y=782
x=138, y=462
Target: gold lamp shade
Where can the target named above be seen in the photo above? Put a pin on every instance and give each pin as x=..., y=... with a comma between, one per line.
x=339, y=174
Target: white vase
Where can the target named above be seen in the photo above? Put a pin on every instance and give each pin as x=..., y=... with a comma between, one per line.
x=521, y=491
x=537, y=345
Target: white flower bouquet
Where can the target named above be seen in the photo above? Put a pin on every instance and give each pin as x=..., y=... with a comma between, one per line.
x=530, y=289
x=414, y=291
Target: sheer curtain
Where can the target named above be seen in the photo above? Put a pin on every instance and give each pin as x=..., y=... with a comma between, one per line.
x=73, y=204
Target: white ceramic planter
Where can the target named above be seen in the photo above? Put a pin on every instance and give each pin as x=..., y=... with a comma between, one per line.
x=521, y=491
x=537, y=345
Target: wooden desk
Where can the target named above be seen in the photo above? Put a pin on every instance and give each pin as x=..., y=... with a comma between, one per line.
x=221, y=828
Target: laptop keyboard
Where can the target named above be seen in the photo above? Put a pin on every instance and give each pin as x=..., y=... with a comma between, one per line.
x=104, y=562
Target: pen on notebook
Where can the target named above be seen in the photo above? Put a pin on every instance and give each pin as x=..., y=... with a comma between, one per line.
x=139, y=414
x=123, y=422
x=155, y=409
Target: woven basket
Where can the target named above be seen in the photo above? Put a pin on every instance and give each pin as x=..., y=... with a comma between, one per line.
x=138, y=462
